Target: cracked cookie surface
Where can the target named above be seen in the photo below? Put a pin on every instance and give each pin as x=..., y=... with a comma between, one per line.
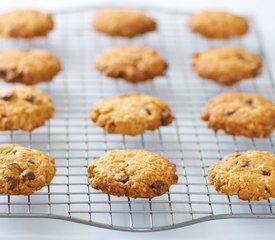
x=133, y=173
x=25, y=23
x=24, y=170
x=250, y=175
x=218, y=24
x=131, y=113
x=226, y=65
x=123, y=22
x=24, y=108
x=132, y=63
x=28, y=66
x=246, y=114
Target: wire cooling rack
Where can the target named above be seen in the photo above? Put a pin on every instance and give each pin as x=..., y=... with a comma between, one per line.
x=74, y=141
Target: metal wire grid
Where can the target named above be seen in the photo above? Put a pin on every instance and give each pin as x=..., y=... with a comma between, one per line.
x=74, y=141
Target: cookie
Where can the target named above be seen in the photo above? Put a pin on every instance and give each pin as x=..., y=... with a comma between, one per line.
x=135, y=173
x=226, y=65
x=25, y=23
x=24, y=108
x=122, y=22
x=250, y=175
x=28, y=66
x=24, y=170
x=131, y=113
x=132, y=63
x=246, y=114
x=218, y=24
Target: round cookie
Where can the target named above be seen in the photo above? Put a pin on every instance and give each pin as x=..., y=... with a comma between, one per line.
x=132, y=63
x=28, y=66
x=24, y=108
x=24, y=170
x=246, y=114
x=122, y=22
x=226, y=65
x=131, y=113
x=250, y=175
x=218, y=24
x=25, y=23
x=135, y=173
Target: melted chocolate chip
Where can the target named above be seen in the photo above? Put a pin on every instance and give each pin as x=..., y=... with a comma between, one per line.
x=123, y=179
x=265, y=173
x=29, y=98
x=229, y=112
x=157, y=186
x=240, y=56
x=248, y=101
x=7, y=96
x=165, y=117
x=243, y=164
x=28, y=174
x=147, y=109
x=11, y=150
x=13, y=182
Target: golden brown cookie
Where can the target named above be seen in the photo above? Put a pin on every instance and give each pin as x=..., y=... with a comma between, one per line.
x=24, y=170
x=218, y=24
x=132, y=63
x=28, y=66
x=250, y=175
x=131, y=113
x=246, y=114
x=24, y=108
x=226, y=65
x=122, y=22
x=135, y=173
x=25, y=23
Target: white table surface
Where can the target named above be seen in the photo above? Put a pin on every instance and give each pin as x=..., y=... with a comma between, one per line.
x=12, y=228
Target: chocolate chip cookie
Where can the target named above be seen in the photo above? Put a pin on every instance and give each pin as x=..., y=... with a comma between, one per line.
x=218, y=24
x=122, y=22
x=135, y=173
x=24, y=108
x=28, y=66
x=246, y=114
x=132, y=63
x=25, y=23
x=131, y=113
x=250, y=175
x=226, y=65
x=24, y=170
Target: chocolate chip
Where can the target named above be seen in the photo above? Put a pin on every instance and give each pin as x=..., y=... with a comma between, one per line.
x=13, y=182
x=28, y=174
x=240, y=56
x=30, y=161
x=7, y=96
x=123, y=179
x=229, y=112
x=248, y=101
x=243, y=164
x=29, y=98
x=147, y=109
x=165, y=118
x=157, y=186
x=11, y=150
x=265, y=173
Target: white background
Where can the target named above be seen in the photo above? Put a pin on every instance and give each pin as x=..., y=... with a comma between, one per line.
x=263, y=12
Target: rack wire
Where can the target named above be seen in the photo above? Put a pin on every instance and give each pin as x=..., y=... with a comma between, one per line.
x=74, y=141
